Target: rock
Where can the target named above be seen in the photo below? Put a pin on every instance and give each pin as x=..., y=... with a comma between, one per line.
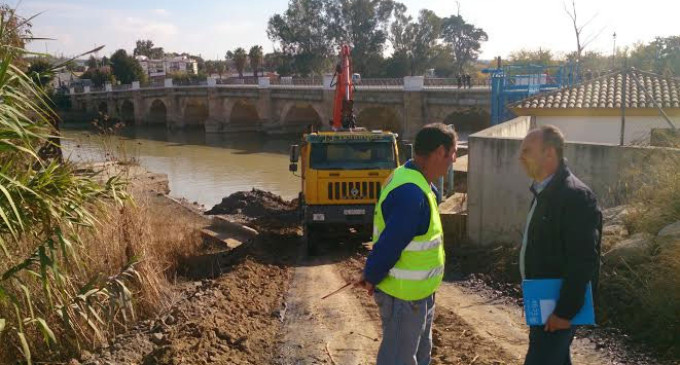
x=158, y=339
x=85, y=355
x=170, y=320
x=615, y=230
x=616, y=215
x=671, y=230
x=632, y=250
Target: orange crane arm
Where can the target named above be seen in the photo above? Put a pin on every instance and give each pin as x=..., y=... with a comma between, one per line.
x=343, y=107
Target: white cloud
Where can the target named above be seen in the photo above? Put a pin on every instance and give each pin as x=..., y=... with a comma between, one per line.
x=161, y=12
x=144, y=27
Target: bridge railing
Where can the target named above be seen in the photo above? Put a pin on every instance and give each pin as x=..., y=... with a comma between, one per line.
x=237, y=81
x=153, y=84
x=390, y=83
x=122, y=87
x=283, y=82
x=432, y=82
x=296, y=81
x=189, y=82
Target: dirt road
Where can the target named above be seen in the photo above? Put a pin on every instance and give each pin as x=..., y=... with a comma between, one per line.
x=265, y=307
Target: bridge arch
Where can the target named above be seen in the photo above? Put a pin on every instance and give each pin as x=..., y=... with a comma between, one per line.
x=242, y=113
x=103, y=107
x=296, y=117
x=195, y=113
x=127, y=112
x=468, y=120
x=158, y=113
x=380, y=117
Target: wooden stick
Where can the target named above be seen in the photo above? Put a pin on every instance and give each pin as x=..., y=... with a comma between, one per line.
x=328, y=351
x=337, y=291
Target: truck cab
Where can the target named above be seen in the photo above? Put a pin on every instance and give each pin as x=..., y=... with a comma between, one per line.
x=342, y=174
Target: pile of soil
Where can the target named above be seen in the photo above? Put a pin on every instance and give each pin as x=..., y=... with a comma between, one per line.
x=234, y=319
x=260, y=209
x=254, y=204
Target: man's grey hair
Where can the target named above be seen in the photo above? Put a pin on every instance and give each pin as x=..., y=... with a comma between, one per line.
x=553, y=137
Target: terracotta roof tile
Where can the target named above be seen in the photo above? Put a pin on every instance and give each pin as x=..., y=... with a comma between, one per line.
x=606, y=92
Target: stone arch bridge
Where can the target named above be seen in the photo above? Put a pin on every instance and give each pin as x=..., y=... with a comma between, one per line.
x=276, y=109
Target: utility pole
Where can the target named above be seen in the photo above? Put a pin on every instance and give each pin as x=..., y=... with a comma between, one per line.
x=623, y=99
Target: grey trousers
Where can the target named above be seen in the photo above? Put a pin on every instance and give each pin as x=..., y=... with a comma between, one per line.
x=549, y=348
x=407, y=330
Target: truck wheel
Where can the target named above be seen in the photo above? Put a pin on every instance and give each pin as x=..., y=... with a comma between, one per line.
x=311, y=240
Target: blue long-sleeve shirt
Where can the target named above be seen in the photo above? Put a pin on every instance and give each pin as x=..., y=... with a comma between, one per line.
x=406, y=212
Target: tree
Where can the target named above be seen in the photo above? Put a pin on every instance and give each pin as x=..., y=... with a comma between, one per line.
x=145, y=47
x=16, y=32
x=582, y=41
x=220, y=67
x=256, y=56
x=125, y=68
x=398, y=65
x=425, y=35
x=464, y=39
x=662, y=55
x=534, y=57
x=399, y=36
x=98, y=76
x=240, y=58
x=279, y=62
x=40, y=71
x=92, y=62
x=363, y=25
x=302, y=32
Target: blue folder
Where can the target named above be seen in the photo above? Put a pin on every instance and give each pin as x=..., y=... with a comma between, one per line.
x=540, y=299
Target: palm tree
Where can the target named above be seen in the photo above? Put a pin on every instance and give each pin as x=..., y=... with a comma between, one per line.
x=255, y=56
x=240, y=57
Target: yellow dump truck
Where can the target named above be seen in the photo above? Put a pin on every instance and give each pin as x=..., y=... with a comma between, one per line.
x=342, y=174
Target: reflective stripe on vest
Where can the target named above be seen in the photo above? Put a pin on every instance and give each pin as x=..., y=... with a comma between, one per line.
x=416, y=275
x=424, y=246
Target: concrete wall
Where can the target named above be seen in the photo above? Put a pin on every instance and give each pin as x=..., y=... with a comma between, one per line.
x=606, y=129
x=498, y=189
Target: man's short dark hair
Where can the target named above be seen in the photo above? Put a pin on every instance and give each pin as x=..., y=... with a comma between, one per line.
x=433, y=135
x=553, y=137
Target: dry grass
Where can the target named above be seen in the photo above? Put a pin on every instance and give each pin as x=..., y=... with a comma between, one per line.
x=642, y=294
x=155, y=237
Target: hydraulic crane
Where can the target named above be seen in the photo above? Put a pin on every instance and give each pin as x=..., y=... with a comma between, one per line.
x=343, y=108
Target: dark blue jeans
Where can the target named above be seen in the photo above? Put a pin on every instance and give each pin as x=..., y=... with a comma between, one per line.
x=407, y=330
x=549, y=348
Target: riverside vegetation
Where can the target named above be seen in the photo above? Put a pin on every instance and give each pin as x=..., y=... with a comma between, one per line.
x=77, y=264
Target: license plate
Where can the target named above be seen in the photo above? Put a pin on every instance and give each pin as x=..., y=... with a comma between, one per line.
x=318, y=217
x=355, y=211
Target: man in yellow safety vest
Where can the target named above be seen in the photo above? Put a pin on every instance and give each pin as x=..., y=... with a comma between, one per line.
x=406, y=265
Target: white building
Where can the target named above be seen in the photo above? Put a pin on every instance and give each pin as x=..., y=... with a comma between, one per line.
x=162, y=67
x=591, y=111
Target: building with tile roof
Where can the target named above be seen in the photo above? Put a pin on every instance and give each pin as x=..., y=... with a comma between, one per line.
x=591, y=111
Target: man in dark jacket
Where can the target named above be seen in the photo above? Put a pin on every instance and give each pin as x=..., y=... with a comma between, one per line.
x=561, y=240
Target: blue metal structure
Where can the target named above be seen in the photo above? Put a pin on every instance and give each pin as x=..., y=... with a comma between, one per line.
x=513, y=83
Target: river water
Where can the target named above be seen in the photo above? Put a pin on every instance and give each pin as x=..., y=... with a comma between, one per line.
x=201, y=167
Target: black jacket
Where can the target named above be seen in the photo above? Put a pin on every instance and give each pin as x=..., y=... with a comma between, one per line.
x=563, y=239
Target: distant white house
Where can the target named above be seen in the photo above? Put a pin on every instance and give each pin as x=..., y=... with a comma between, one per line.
x=156, y=68
x=591, y=111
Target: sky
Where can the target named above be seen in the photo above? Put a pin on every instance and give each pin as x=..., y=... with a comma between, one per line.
x=212, y=27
